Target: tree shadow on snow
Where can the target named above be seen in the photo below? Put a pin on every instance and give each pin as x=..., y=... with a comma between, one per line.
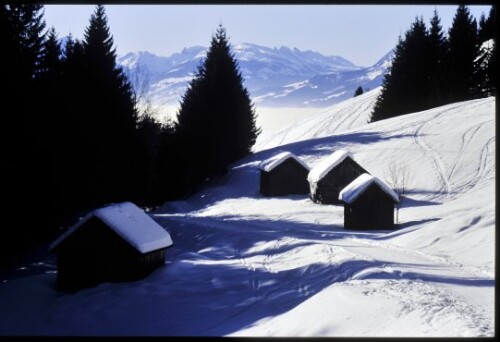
x=328, y=145
x=235, y=283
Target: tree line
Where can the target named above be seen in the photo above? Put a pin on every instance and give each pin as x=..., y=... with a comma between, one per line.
x=430, y=69
x=74, y=137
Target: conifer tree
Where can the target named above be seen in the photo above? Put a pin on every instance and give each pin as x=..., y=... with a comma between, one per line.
x=436, y=49
x=51, y=125
x=484, y=75
x=110, y=118
x=462, y=53
x=27, y=25
x=23, y=142
x=216, y=121
x=358, y=91
x=50, y=60
x=100, y=150
x=487, y=26
x=405, y=86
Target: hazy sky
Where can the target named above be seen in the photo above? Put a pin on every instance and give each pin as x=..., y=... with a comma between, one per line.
x=360, y=33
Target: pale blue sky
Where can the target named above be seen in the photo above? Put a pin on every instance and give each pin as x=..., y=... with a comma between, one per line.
x=360, y=33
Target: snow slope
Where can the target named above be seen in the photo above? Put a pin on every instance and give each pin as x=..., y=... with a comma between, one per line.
x=348, y=114
x=247, y=265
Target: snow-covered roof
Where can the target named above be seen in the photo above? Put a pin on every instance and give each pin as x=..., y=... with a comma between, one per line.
x=129, y=222
x=327, y=164
x=360, y=184
x=269, y=164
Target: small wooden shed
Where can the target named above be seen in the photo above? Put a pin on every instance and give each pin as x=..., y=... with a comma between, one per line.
x=283, y=174
x=368, y=203
x=119, y=242
x=331, y=175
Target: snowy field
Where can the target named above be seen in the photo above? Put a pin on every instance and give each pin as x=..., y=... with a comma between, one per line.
x=245, y=265
x=269, y=119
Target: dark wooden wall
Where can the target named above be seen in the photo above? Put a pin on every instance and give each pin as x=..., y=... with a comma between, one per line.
x=94, y=253
x=288, y=178
x=373, y=209
x=329, y=187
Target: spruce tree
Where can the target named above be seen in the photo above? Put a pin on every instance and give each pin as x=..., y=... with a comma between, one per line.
x=405, y=86
x=484, y=75
x=110, y=118
x=71, y=136
x=27, y=25
x=436, y=49
x=50, y=60
x=216, y=122
x=462, y=53
x=358, y=91
x=487, y=26
x=24, y=142
x=99, y=146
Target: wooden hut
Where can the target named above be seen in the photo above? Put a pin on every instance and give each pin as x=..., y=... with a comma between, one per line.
x=368, y=204
x=283, y=174
x=116, y=243
x=331, y=175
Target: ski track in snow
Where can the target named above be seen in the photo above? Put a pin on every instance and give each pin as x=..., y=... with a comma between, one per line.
x=411, y=289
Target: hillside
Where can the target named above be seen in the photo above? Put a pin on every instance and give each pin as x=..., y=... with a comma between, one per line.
x=348, y=114
x=246, y=265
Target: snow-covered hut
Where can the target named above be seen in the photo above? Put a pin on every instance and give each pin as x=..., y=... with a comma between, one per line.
x=331, y=175
x=119, y=242
x=368, y=203
x=283, y=174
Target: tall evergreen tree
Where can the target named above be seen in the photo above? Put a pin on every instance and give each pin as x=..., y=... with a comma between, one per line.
x=485, y=76
x=462, y=53
x=23, y=143
x=99, y=147
x=51, y=58
x=487, y=26
x=26, y=22
x=405, y=86
x=110, y=118
x=359, y=91
x=216, y=123
x=436, y=49
x=50, y=125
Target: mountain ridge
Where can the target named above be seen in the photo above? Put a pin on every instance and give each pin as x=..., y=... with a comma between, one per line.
x=275, y=77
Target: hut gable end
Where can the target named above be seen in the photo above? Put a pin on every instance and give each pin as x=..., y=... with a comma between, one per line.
x=130, y=223
x=368, y=204
x=286, y=177
x=360, y=184
x=326, y=181
x=115, y=243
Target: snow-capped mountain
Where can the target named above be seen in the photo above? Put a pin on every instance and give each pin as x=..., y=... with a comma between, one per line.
x=274, y=76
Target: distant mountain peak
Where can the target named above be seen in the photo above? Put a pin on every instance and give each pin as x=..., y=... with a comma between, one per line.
x=274, y=76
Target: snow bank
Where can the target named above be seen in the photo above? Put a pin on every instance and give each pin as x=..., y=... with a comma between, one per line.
x=269, y=164
x=131, y=223
x=360, y=184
